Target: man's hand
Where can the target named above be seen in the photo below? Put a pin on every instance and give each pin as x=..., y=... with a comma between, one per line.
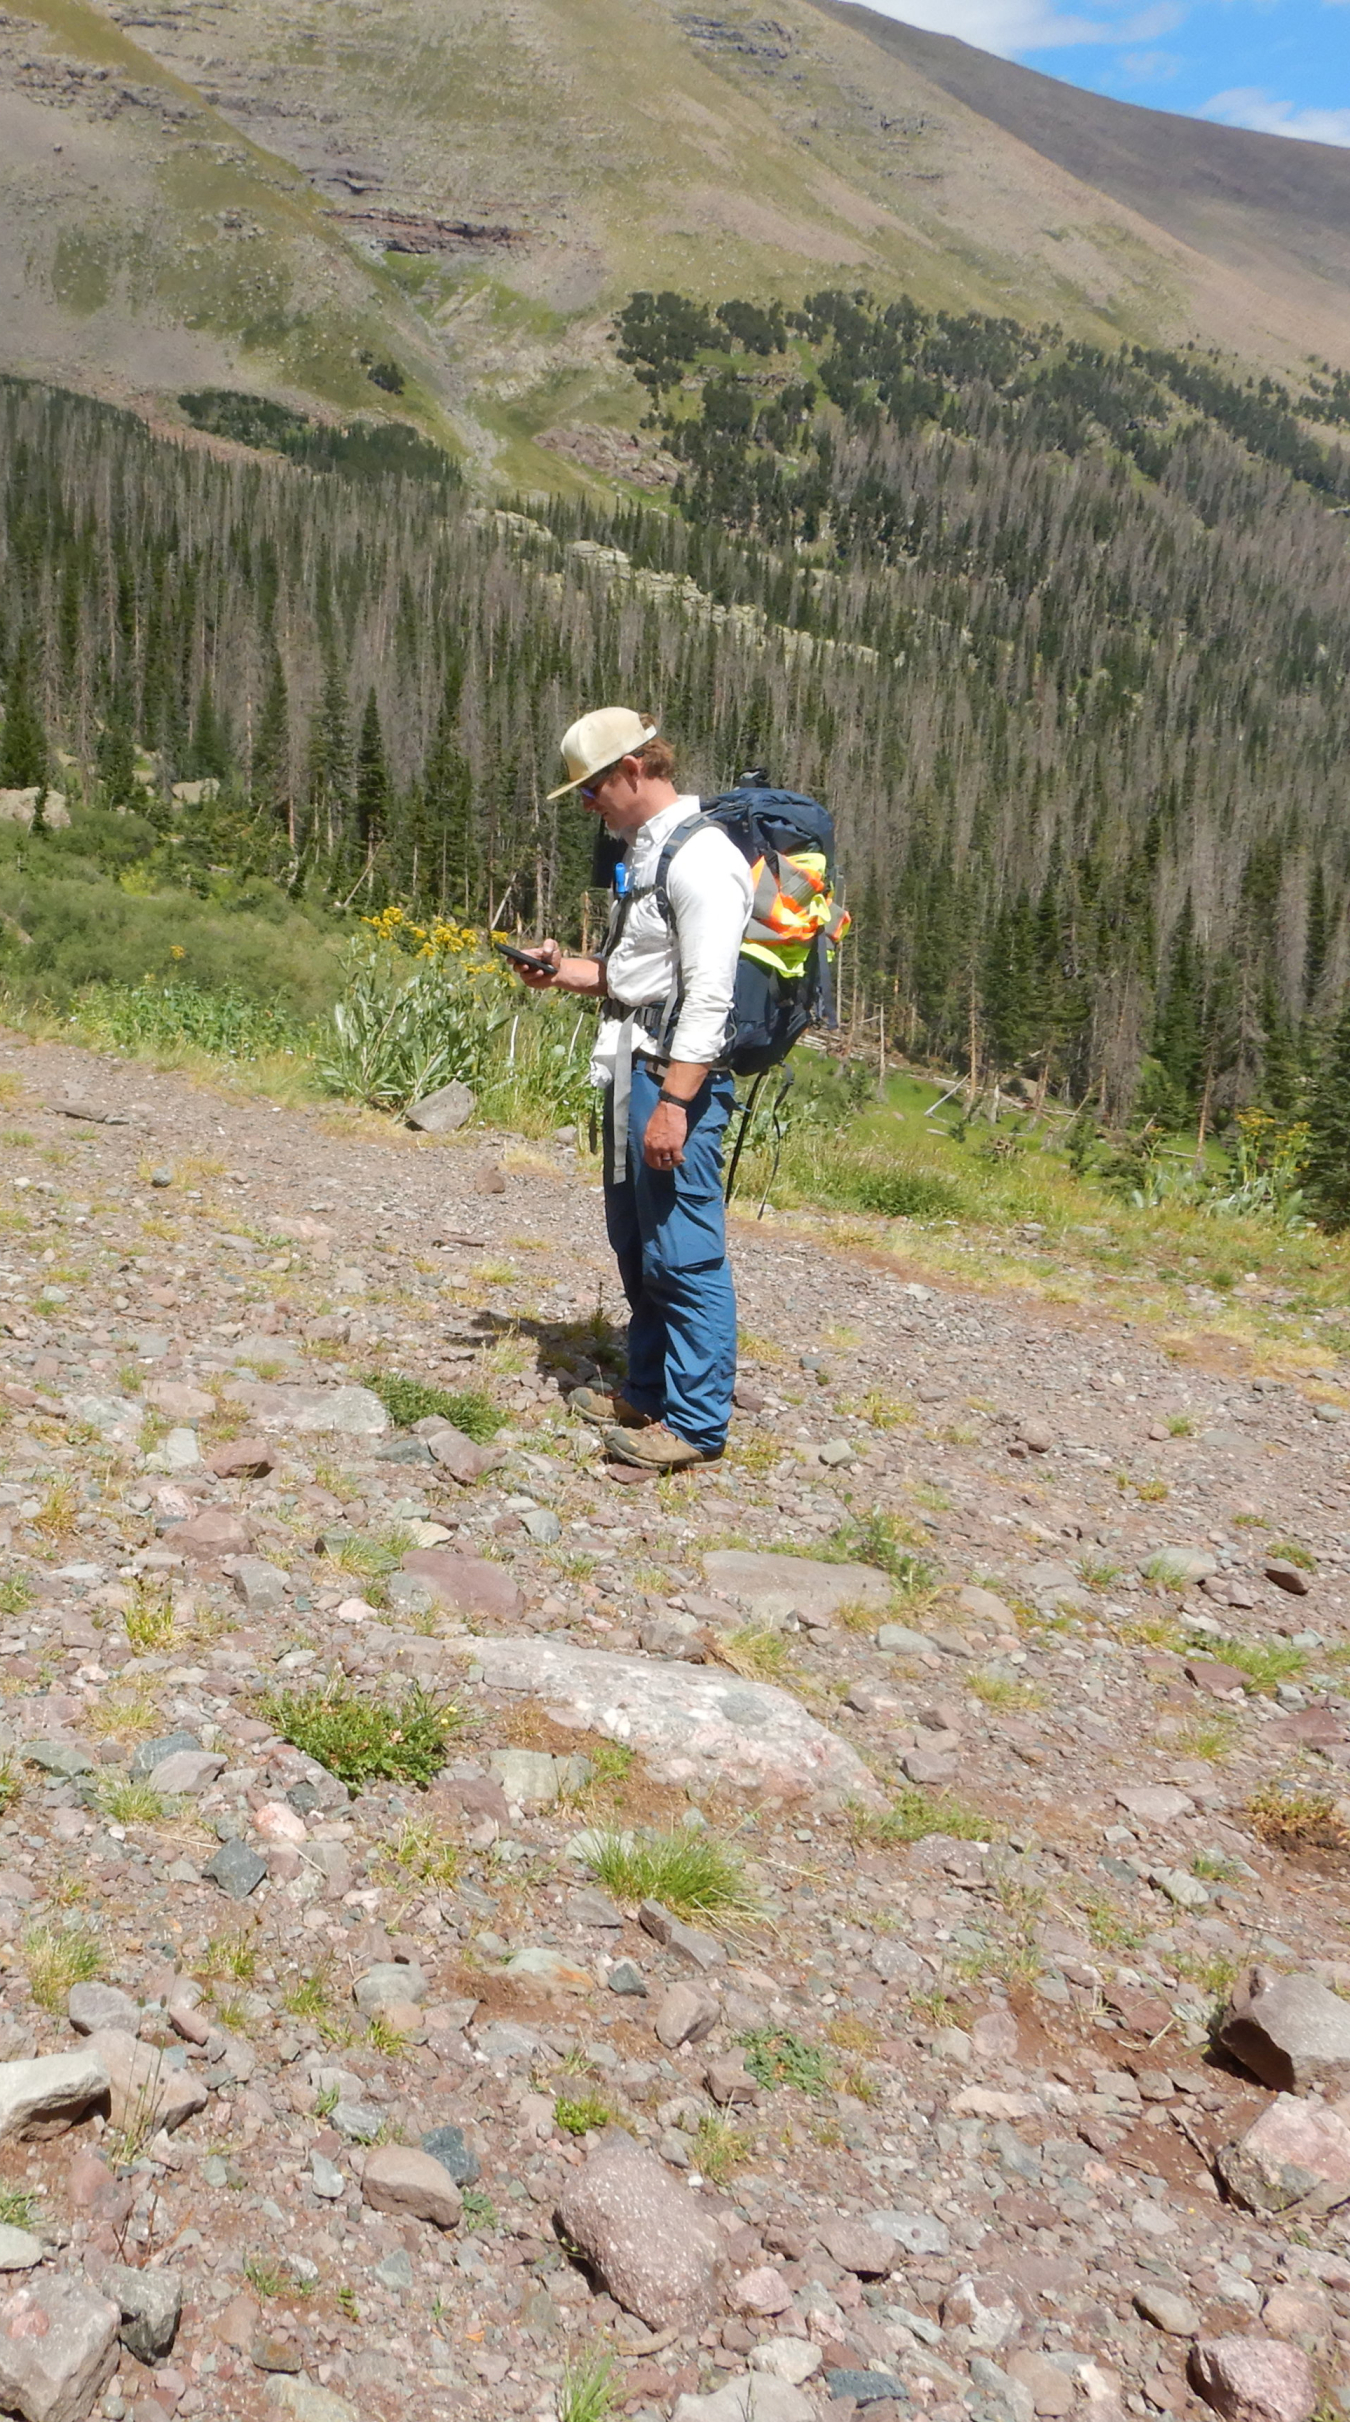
x=663, y=1143
x=540, y=980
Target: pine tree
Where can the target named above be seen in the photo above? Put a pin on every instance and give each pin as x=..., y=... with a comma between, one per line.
x=270, y=780
x=1327, y=1179
x=372, y=781
x=23, y=742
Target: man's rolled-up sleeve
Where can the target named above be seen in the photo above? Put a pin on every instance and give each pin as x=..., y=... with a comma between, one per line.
x=710, y=898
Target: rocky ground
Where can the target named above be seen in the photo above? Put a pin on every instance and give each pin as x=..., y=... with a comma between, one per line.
x=941, y=2128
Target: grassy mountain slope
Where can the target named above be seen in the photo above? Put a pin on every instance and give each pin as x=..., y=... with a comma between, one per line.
x=210, y=192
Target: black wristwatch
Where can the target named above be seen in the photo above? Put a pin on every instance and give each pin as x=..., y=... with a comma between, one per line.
x=676, y=1100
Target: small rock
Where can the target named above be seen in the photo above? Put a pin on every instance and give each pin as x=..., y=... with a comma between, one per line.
x=389, y=1981
x=326, y=2178
x=58, y=2347
x=674, y=1935
x=792, y=2359
x=760, y=2291
x=358, y=2122
x=143, y=2083
x=442, y=1112
x=1182, y=1565
x=1290, y=2031
x=242, y=1459
x=687, y=2013
x=20, y=2250
x=1295, y=2157
x=237, y=1869
x=396, y=2272
x=401, y=2178
x=1169, y=2312
x=270, y=2353
x=1051, y=2391
x=306, y=2403
x=1154, y=1803
x=917, y=2232
x=450, y=2147
x=92, y=2006
x=468, y=1585
x=1286, y=1576
x=652, y=2246
x=1254, y=2379
x=258, y=1583
x=755, y=2397
x=625, y=1978
x=1036, y=1434
x=727, y=2078
x=186, y=1772
x=45, y=2097
x=528, y=1777
x=209, y=1537
x=151, y=2305
x=858, y=2248
x=984, y=1606
x=465, y=1461
x=987, y=2308
x=901, y=1640
x=865, y=2388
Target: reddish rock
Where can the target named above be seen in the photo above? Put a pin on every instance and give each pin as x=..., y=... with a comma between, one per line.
x=1254, y=2379
x=645, y=2234
x=459, y=1456
x=470, y=1585
x=987, y=2308
x=761, y=2291
x=235, y=2326
x=858, y=2248
x=398, y=2178
x=58, y=2348
x=1287, y=1576
x=242, y=1459
x=1296, y=2157
x=208, y=1537
x=686, y=2015
x=143, y=2082
x=1210, y=1676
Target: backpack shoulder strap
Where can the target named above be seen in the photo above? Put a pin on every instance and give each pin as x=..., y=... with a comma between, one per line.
x=658, y=888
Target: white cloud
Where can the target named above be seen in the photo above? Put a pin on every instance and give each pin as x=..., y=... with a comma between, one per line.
x=1009, y=27
x=1248, y=105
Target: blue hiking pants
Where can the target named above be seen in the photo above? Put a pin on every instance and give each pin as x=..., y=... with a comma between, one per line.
x=668, y=1231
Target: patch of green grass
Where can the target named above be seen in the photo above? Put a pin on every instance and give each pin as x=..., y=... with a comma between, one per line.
x=1001, y=1691
x=1287, y=1818
x=760, y=1655
x=914, y=1814
x=309, y=1998
x=1215, y=1972
x=477, y=2211
x=934, y=2008
x=132, y=1801
x=1098, y=1572
x=18, y=2207
x=576, y=2115
x=17, y=1594
x=11, y=1785
x=776, y=2057
x=57, y=1958
x=1179, y=1425
x=1108, y=1925
x=424, y=1853
x=1293, y=1551
x=687, y=1869
x=1213, y=1868
x=887, y=1542
x=230, y=1955
x=720, y=2147
x=368, y=1559
x=365, y=1740
x=267, y=2277
x=590, y=2387
x=409, y=1400
x=1210, y=1737
x=381, y=2037
x=149, y=1619
x=1264, y=1663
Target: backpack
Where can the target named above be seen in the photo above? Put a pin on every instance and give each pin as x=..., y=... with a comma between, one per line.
x=784, y=977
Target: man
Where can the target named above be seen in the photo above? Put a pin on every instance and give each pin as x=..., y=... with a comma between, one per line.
x=665, y=984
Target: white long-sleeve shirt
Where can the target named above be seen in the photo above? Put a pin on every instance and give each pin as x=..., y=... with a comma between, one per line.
x=710, y=899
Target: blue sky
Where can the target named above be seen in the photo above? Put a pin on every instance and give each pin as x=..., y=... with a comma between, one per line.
x=1282, y=66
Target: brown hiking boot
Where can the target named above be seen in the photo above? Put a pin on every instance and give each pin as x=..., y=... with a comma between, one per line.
x=605, y=1407
x=656, y=1449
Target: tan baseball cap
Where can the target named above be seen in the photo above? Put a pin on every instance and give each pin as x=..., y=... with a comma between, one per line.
x=600, y=739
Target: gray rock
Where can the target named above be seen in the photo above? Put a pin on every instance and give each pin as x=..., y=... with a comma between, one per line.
x=389, y=1981
x=20, y=2250
x=673, y=1935
x=347, y=1412
x=625, y=1978
x=452, y=2149
x=754, y=2397
x=917, y=2232
x=64, y=1758
x=89, y=2007
x=461, y=1457
x=404, y=1450
x=1174, y=2314
x=144, y=2083
x=258, y=1583
x=866, y=2388
x=151, y=1754
x=326, y=2178
x=529, y=1777
x=306, y=2403
x=58, y=2348
x=359, y=2122
x=645, y=2234
x=692, y=1723
x=1290, y=2031
x=542, y=1525
x=186, y=1772
x=395, y=2272
x=901, y=1640
x=685, y=2016
x=151, y=2305
x=45, y=2097
x=442, y=1112
x=810, y=1587
x=237, y=1869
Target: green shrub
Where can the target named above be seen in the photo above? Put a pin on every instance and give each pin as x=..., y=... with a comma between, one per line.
x=775, y=2057
x=403, y=1028
x=364, y=1740
x=410, y=1400
x=688, y=1870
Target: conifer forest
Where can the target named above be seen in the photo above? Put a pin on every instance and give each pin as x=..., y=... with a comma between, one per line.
x=1061, y=638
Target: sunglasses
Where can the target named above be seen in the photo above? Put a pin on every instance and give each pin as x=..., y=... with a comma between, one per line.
x=596, y=782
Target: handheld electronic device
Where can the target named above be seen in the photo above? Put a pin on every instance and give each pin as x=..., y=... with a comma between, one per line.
x=524, y=958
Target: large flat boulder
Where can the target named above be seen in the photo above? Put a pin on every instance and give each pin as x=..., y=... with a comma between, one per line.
x=1290, y=2031
x=771, y=1584
x=350, y=1412
x=692, y=1723
x=468, y=1585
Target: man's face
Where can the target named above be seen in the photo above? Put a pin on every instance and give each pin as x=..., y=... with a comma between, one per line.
x=615, y=797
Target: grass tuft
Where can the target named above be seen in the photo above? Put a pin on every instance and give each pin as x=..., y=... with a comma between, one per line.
x=132, y=1801
x=720, y=2147
x=576, y=2115
x=364, y=1740
x=776, y=2057
x=590, y=2387
x=1288, y=1818
x=915, y=1814
x=689, y=1871
x=410, y=1400
x=57, y=1958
